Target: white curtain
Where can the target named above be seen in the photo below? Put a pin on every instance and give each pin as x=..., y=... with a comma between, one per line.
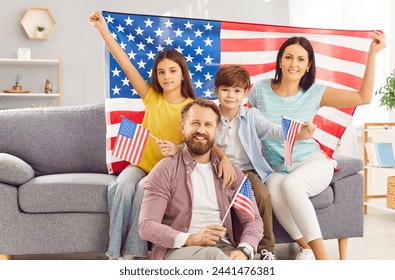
x=354, y=15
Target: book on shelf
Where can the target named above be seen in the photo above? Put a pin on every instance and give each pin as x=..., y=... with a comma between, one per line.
x=380, y=154
x=371, y=154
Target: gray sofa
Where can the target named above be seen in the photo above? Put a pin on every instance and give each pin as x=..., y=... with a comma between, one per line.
x=53, y=185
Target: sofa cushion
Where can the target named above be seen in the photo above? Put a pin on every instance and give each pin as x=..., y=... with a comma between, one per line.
x=14, y=171
x=53, y=140
x=84, y=192
x=324, y=199
x=346, y=166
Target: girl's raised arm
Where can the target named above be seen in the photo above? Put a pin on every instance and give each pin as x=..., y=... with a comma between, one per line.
x=137, y=81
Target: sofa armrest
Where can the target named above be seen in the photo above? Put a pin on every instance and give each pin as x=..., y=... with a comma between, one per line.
x=14, y=171
x=346, y=166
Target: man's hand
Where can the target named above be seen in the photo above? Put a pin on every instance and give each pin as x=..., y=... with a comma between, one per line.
x=306, y=131
x=237, y=255
x=208, y=236
x=227, y=172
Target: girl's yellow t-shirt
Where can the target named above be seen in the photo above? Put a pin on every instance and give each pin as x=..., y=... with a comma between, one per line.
x=163, y=120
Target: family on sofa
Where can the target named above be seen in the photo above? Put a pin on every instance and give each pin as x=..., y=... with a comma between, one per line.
x=171, y=88
x=43, y=199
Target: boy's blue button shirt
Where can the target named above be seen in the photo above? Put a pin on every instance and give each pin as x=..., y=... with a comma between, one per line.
x=254, y=127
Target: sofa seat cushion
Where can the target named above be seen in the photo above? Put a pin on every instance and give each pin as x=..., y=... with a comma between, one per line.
x=14, y=171
x=324, y=199
x=346, y=166
x=71, y=192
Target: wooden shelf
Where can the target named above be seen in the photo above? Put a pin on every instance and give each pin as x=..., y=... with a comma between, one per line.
x=379, y=203
x=49, y=95
x=32, y=67
x=13, y=61
x=368, y=129
x=38, y=17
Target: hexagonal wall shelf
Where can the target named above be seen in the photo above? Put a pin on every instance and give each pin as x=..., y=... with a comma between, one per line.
x=35, y=17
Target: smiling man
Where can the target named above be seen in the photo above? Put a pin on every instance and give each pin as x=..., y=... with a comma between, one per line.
x=184, y=202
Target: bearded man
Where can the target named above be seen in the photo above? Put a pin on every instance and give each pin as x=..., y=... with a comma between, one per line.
x=184, y=201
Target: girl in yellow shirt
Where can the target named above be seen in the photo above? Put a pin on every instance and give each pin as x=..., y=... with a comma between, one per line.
x=170, y=89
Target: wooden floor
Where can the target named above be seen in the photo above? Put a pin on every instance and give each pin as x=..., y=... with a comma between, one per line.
x=377, y=243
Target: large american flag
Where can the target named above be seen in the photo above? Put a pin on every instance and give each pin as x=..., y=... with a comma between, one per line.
x=208, y=44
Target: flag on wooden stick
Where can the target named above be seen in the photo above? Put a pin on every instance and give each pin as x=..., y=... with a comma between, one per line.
x=290, y=130
x=242, y=200
x=130, y=142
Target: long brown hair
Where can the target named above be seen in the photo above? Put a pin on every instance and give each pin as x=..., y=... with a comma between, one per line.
x=173, y=55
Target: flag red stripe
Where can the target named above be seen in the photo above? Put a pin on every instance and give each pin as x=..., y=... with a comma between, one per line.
x=231, y=25
x=340, y=78
x=256, y=69
x=244, y=201
x=251, y=44
x=125, y=147
x=134, y=150
x=332, y=128
x=116, y=116
x=118, y=146
x=143, y=143
x=127, y=150
x=290, y=143
x=339, y=52
x=243, y=210
x=113, y=140
x=138, y=146
x=134, y=147
x=349, y=111
x=326, y=149
x=117, y=166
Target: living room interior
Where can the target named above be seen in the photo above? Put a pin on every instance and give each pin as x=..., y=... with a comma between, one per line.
x=72, y=73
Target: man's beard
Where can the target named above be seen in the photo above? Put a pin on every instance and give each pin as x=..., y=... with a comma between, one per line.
x=196, y=148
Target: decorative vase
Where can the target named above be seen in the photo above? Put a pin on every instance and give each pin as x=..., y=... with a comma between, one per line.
x=16, y=87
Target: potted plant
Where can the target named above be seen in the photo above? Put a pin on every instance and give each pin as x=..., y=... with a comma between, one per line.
x=387, y=92
x=40, y=31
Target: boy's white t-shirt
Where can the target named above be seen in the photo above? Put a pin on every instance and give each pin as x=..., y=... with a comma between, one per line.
x=229, y=141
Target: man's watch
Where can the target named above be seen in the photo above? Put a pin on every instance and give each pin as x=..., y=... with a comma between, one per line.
x=247, y=252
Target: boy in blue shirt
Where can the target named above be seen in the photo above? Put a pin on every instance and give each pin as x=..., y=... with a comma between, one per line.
x=239, y=136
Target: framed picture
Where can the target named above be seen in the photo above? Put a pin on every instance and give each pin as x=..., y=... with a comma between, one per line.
x=24, y=54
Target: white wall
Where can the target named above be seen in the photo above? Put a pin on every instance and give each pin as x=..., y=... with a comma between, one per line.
x=81, y=47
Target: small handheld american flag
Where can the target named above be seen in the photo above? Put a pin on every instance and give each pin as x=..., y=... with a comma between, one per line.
x=130, y=142
x=242, y=200
x=290, y=130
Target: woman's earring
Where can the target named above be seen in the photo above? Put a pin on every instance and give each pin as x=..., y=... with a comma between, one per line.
x=307, y=70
